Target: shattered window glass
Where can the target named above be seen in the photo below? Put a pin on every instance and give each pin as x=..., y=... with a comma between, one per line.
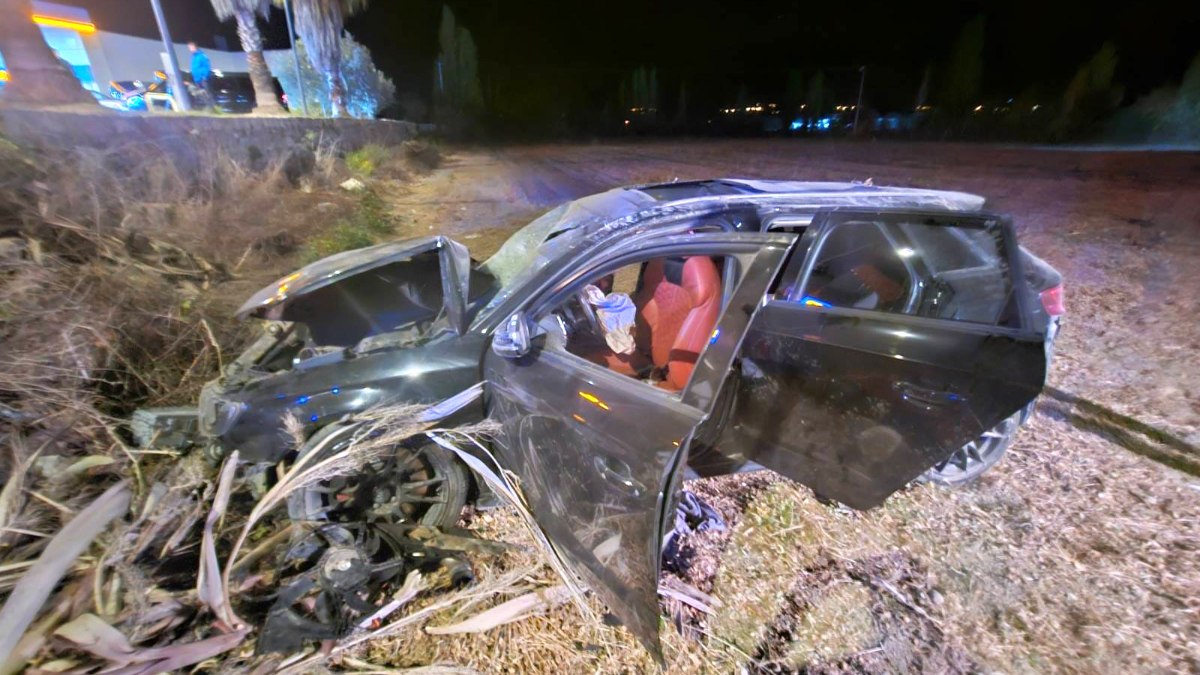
x=520, y=249
x=930, y=270
x=549, y=237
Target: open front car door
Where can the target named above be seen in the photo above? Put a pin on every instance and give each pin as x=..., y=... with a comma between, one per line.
x=901, y=337
x=599, y=452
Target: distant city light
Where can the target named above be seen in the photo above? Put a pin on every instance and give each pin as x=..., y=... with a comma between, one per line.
x=979, y=108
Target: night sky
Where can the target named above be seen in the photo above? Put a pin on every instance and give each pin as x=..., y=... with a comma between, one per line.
x=718, y=46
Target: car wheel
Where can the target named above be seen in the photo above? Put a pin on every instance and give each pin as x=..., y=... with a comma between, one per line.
x=416, y=483
x=970, y=461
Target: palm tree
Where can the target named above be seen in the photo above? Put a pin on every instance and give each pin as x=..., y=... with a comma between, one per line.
x=37, y=76
x=244, y=12
x=319, y=24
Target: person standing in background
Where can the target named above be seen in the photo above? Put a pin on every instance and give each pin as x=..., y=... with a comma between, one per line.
x=201, y=70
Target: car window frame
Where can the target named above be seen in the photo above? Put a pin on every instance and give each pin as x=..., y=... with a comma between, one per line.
x=827, y=220
x=743, y=248
x=561, y=293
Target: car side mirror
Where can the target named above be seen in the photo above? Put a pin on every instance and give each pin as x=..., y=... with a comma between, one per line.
x=512, y=339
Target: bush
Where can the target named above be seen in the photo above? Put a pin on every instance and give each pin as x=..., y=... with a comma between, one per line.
x=364, y=161
x=362, y=228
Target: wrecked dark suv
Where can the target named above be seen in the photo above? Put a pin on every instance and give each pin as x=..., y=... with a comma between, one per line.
x=851, y=337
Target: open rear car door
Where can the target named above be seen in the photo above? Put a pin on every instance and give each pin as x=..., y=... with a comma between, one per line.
x=895, y=340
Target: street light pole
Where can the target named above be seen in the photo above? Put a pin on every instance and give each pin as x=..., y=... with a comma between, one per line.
x=862, y=80
x=287, y=13
x=181, y=97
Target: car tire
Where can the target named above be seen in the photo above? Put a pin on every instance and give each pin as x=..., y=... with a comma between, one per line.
x=447, y=482
x=973, y=459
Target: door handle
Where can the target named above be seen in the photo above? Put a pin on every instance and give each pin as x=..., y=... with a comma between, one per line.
x=925, y=396
x=615, y=471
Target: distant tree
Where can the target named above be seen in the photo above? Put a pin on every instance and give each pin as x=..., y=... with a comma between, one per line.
x=793, y=93
x=36, y=75
x=367, y=89
x=1184, y=118
x=923, y=90
x=1091, y=94
x=644, y=88
x=1168, y=114
x=457, y=93
x=681, y=108
x=963, y=71
x=819, y=98
x=244, y=12
x=319, y=24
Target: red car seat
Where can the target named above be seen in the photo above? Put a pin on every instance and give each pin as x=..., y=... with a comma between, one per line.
x=678, y=303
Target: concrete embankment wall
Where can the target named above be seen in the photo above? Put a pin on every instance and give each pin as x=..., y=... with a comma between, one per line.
x=185, y=137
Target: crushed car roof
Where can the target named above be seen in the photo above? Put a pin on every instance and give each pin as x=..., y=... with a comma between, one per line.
x=543, y=240
x=959, y=201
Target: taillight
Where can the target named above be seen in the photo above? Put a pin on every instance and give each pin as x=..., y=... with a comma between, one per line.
x=1052, y=300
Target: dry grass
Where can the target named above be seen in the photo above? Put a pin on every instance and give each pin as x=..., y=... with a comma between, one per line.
x=118, y=277
x=983, y=578
x=1095, y=573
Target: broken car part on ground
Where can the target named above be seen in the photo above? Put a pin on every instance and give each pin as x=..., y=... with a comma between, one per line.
x=851, y=337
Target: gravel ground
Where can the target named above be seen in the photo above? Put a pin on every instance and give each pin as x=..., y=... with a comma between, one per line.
x=1077, y=553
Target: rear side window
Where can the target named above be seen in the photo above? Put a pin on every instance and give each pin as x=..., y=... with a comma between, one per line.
x=914, y=266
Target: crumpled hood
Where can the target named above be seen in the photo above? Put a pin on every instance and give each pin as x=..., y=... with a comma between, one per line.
x=272, y=301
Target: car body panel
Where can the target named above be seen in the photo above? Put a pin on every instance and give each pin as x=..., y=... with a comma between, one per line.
x=856, y=406
x=452, y=266
x=249, y=416
x=846, y=194
x=599, y=454
x=856, y=403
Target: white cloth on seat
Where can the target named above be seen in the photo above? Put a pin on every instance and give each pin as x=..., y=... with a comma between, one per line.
x=617, y=315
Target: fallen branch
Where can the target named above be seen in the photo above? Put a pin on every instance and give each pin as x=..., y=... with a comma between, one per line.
x=516, y=609
x=210, y=588
x=691, y=596
x=95, y=636
x=899, y=597
x=34, y=587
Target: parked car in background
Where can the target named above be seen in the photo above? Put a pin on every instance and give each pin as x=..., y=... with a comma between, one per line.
x=108, y=101
x=233, y=93
x=851, y=337
x=153, y=94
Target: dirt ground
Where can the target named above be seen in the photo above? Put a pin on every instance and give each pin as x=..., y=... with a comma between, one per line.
x=1078, y=553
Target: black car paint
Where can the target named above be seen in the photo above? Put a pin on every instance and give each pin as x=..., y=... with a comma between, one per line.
x=856, y=405
x=837, y=399
x=344, y=384
x=605, y=511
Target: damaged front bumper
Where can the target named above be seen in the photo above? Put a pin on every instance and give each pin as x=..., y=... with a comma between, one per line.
x=170, y=428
